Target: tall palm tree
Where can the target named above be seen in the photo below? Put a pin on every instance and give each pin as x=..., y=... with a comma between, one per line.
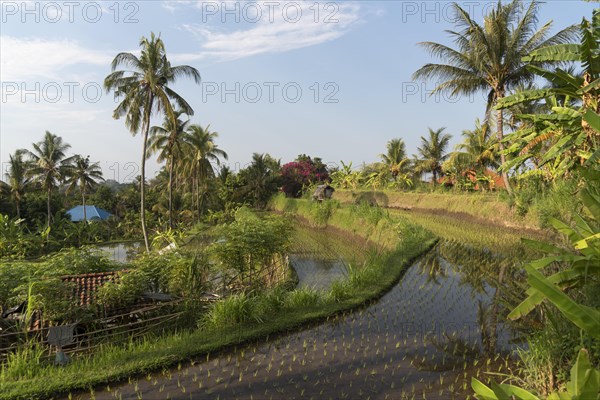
x=395, y=157
x=433, y=152
x=479, y=149
x=489, y=57
x=17, y=179
x=166, y=140
x=201, y=150
x=145, y=90
x=84, y=174
x=49, y=164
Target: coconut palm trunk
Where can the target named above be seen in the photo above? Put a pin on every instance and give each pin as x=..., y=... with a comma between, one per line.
x=48, y=207
x=84, y=208
x=171, y=166
x=146, y=128
x=500, y=130
x=491, y=57
x=144, y=82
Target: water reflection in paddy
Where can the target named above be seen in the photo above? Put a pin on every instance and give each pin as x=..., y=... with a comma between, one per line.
x=316, y=273
x=121, y=252
x=423, y=339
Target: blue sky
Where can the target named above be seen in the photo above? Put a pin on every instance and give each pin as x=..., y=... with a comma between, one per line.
x=328, y=79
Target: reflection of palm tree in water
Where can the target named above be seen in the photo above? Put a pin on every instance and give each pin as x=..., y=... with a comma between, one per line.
x=477, y=268
x=432, y=266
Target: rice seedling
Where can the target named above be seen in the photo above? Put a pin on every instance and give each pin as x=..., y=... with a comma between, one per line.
x=420, y=339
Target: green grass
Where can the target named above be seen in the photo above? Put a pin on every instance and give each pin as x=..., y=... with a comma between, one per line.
x=487, y=206
x=241, y=319
x=381, y=231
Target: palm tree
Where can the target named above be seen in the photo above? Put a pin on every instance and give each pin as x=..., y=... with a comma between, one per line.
x=17, y=179
x=261, y=177
x=200, y=150
x=85, y=175
x=433, y=152
x=479, y=149
x=395, y=158
x=49, y=164
x=145, y=88
x=489, y=58
x=166, y=140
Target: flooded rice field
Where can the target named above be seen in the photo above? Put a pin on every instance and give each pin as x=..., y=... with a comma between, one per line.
x=424, y=339
x=121, y=252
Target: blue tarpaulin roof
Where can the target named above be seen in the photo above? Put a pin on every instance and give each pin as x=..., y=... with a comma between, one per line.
x=91, y=213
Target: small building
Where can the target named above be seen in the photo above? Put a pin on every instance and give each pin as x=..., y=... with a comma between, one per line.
x=92, y=213
x=323, y=192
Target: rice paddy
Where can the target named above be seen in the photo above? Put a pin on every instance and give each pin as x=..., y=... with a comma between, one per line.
x=320, y=257
x=424, y=339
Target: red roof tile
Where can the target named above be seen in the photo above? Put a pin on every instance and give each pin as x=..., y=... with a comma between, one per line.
x=86, y=285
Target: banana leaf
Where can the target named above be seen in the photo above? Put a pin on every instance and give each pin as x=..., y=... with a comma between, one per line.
x=584, y=317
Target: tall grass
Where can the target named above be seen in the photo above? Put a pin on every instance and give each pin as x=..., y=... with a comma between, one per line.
x=232, y=310
x=303, y=298
x=24, y=363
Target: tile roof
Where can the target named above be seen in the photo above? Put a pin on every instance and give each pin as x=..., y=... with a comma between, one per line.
x=86, y=285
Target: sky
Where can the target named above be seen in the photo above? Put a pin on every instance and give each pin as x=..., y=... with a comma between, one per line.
x=327, y=79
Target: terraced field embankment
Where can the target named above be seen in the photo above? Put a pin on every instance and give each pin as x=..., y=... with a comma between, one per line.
x=435, y=328
x=482, y=208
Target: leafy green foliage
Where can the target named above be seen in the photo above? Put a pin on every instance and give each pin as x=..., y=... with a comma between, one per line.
x=583, y=259
x=580, y=269
x=251, y=243
x=39, y=282
x=179, y=275
x=297, y=175
x=570, y=134
x=322, y=211
x=584, y=385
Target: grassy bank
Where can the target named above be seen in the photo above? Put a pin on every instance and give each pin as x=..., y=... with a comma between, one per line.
x=483, y=206
x=374, y=224
x=240, y=318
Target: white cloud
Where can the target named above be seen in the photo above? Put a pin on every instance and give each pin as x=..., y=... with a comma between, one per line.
x=174, y=5
x=279, y=29
x=27, y=58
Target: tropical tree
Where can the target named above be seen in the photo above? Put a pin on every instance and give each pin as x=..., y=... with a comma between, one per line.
x=395, y=157
x=49, y=165
x=200, y=150
x=433, y=152
x=490, y=57
x=17, y=179
x=166, y=141
x=84, y=174
x=345, y=177
x=569, y=135
x=301, y=173
x=145, y=90
x=261, y=178
x=478, y=151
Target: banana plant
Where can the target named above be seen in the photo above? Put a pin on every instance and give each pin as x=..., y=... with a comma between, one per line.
x=583, y=259
x=584, y=385
x=571, y=132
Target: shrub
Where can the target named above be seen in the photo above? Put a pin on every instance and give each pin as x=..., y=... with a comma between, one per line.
x=300, y=174
x=302, y=298
x=230, y=311
x=322, y=211
x=250, y=244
